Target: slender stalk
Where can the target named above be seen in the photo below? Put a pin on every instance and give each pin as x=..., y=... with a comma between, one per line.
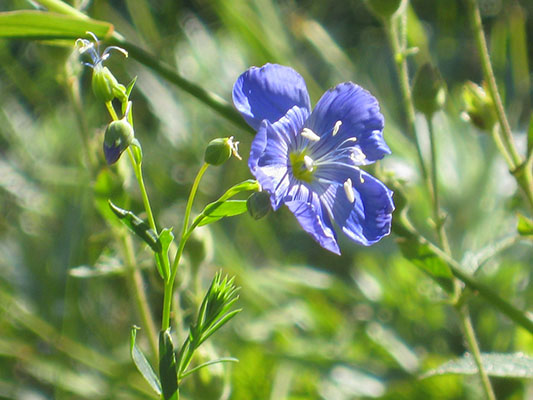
x=403, y=228
x=62, y=8
x=477, y=27
x=167, y=300
x=144, y=194
x=439, y=223
x=137, y=288
x=468, y=331
x=521, y=172
x=402, y=72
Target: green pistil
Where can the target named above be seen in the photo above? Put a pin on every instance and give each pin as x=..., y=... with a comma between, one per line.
x=300, y=169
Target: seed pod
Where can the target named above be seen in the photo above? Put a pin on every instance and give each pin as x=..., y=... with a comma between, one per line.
x=219, y=150
x=118, y=136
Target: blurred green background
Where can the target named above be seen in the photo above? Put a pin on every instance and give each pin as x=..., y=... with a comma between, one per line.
x=366, y=324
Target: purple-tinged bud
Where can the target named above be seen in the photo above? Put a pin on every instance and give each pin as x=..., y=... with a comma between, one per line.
x=118, y=136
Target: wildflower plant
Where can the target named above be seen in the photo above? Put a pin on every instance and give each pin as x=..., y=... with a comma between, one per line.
x=215, y=310
x=324, y=163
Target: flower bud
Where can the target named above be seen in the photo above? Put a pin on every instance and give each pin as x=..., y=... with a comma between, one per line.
x=219, y=150
x=428, y=90
x=118, y=136
x=105, y=85
x=259, y=204
x=384, y=8
x=479, y=107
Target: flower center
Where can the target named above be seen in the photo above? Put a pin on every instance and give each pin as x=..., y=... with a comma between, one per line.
x=302, y=166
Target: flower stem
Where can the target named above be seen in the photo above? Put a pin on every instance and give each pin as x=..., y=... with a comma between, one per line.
x=137, y=287
x=402, y=73
x=438, y=220
x=522, y=172
x=169, y=285
x=470, y=336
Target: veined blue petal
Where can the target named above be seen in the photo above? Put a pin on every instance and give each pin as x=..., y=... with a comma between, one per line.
x=359, y=116
x=269, y=155
x=268, y=93
x=368, y=218
x=311, y=216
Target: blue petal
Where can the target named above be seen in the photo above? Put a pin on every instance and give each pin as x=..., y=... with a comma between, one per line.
x=311, y=216
x=268, y=93
x=269, y=155
x=112, y=153
x=368, y=218
x=359, y=113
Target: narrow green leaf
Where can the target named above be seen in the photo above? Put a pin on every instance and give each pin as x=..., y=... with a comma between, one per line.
x=142, y=363
x=167, y=366
x=30, y=24
x=215, y=211
x=137, y=226
x=515, y=365
x=207, y=364
x=525, y=225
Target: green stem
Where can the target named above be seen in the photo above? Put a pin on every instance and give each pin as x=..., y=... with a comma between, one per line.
x=403, y=228
x=144, y=194
x=522, y=172
x=136, y=283
x=437, y=217
x=468, y=331
x=169, y=285
x=111, y=110
x=402, y=72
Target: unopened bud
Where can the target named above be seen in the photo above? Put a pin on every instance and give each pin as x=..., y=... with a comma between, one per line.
x=259, y=204
x=479, y=107
x=118, y=136
x=384, y=8
x=105, y=85
x=428, y=90
x=219, y=150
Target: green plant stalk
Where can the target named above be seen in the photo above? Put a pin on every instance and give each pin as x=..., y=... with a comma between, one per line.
x=403, y=228
x=524, y=178
x=137, y=287
x=439, y=223
x=468, y=331
x=402, y=73
x=134, y=275
x=169, y=285
x=464, y=315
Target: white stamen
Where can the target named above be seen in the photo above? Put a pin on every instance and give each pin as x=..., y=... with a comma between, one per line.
x=234, y=146
x=348, y=189
x=361, y=179
x=310, y=135
x=309, y=163
x=336, y=128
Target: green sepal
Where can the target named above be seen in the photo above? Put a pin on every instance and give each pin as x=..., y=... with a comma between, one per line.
x=142, y=363
x=137, y=226
x=167, y=366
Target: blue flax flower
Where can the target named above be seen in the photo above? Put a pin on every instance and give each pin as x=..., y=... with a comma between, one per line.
x=309, y=160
